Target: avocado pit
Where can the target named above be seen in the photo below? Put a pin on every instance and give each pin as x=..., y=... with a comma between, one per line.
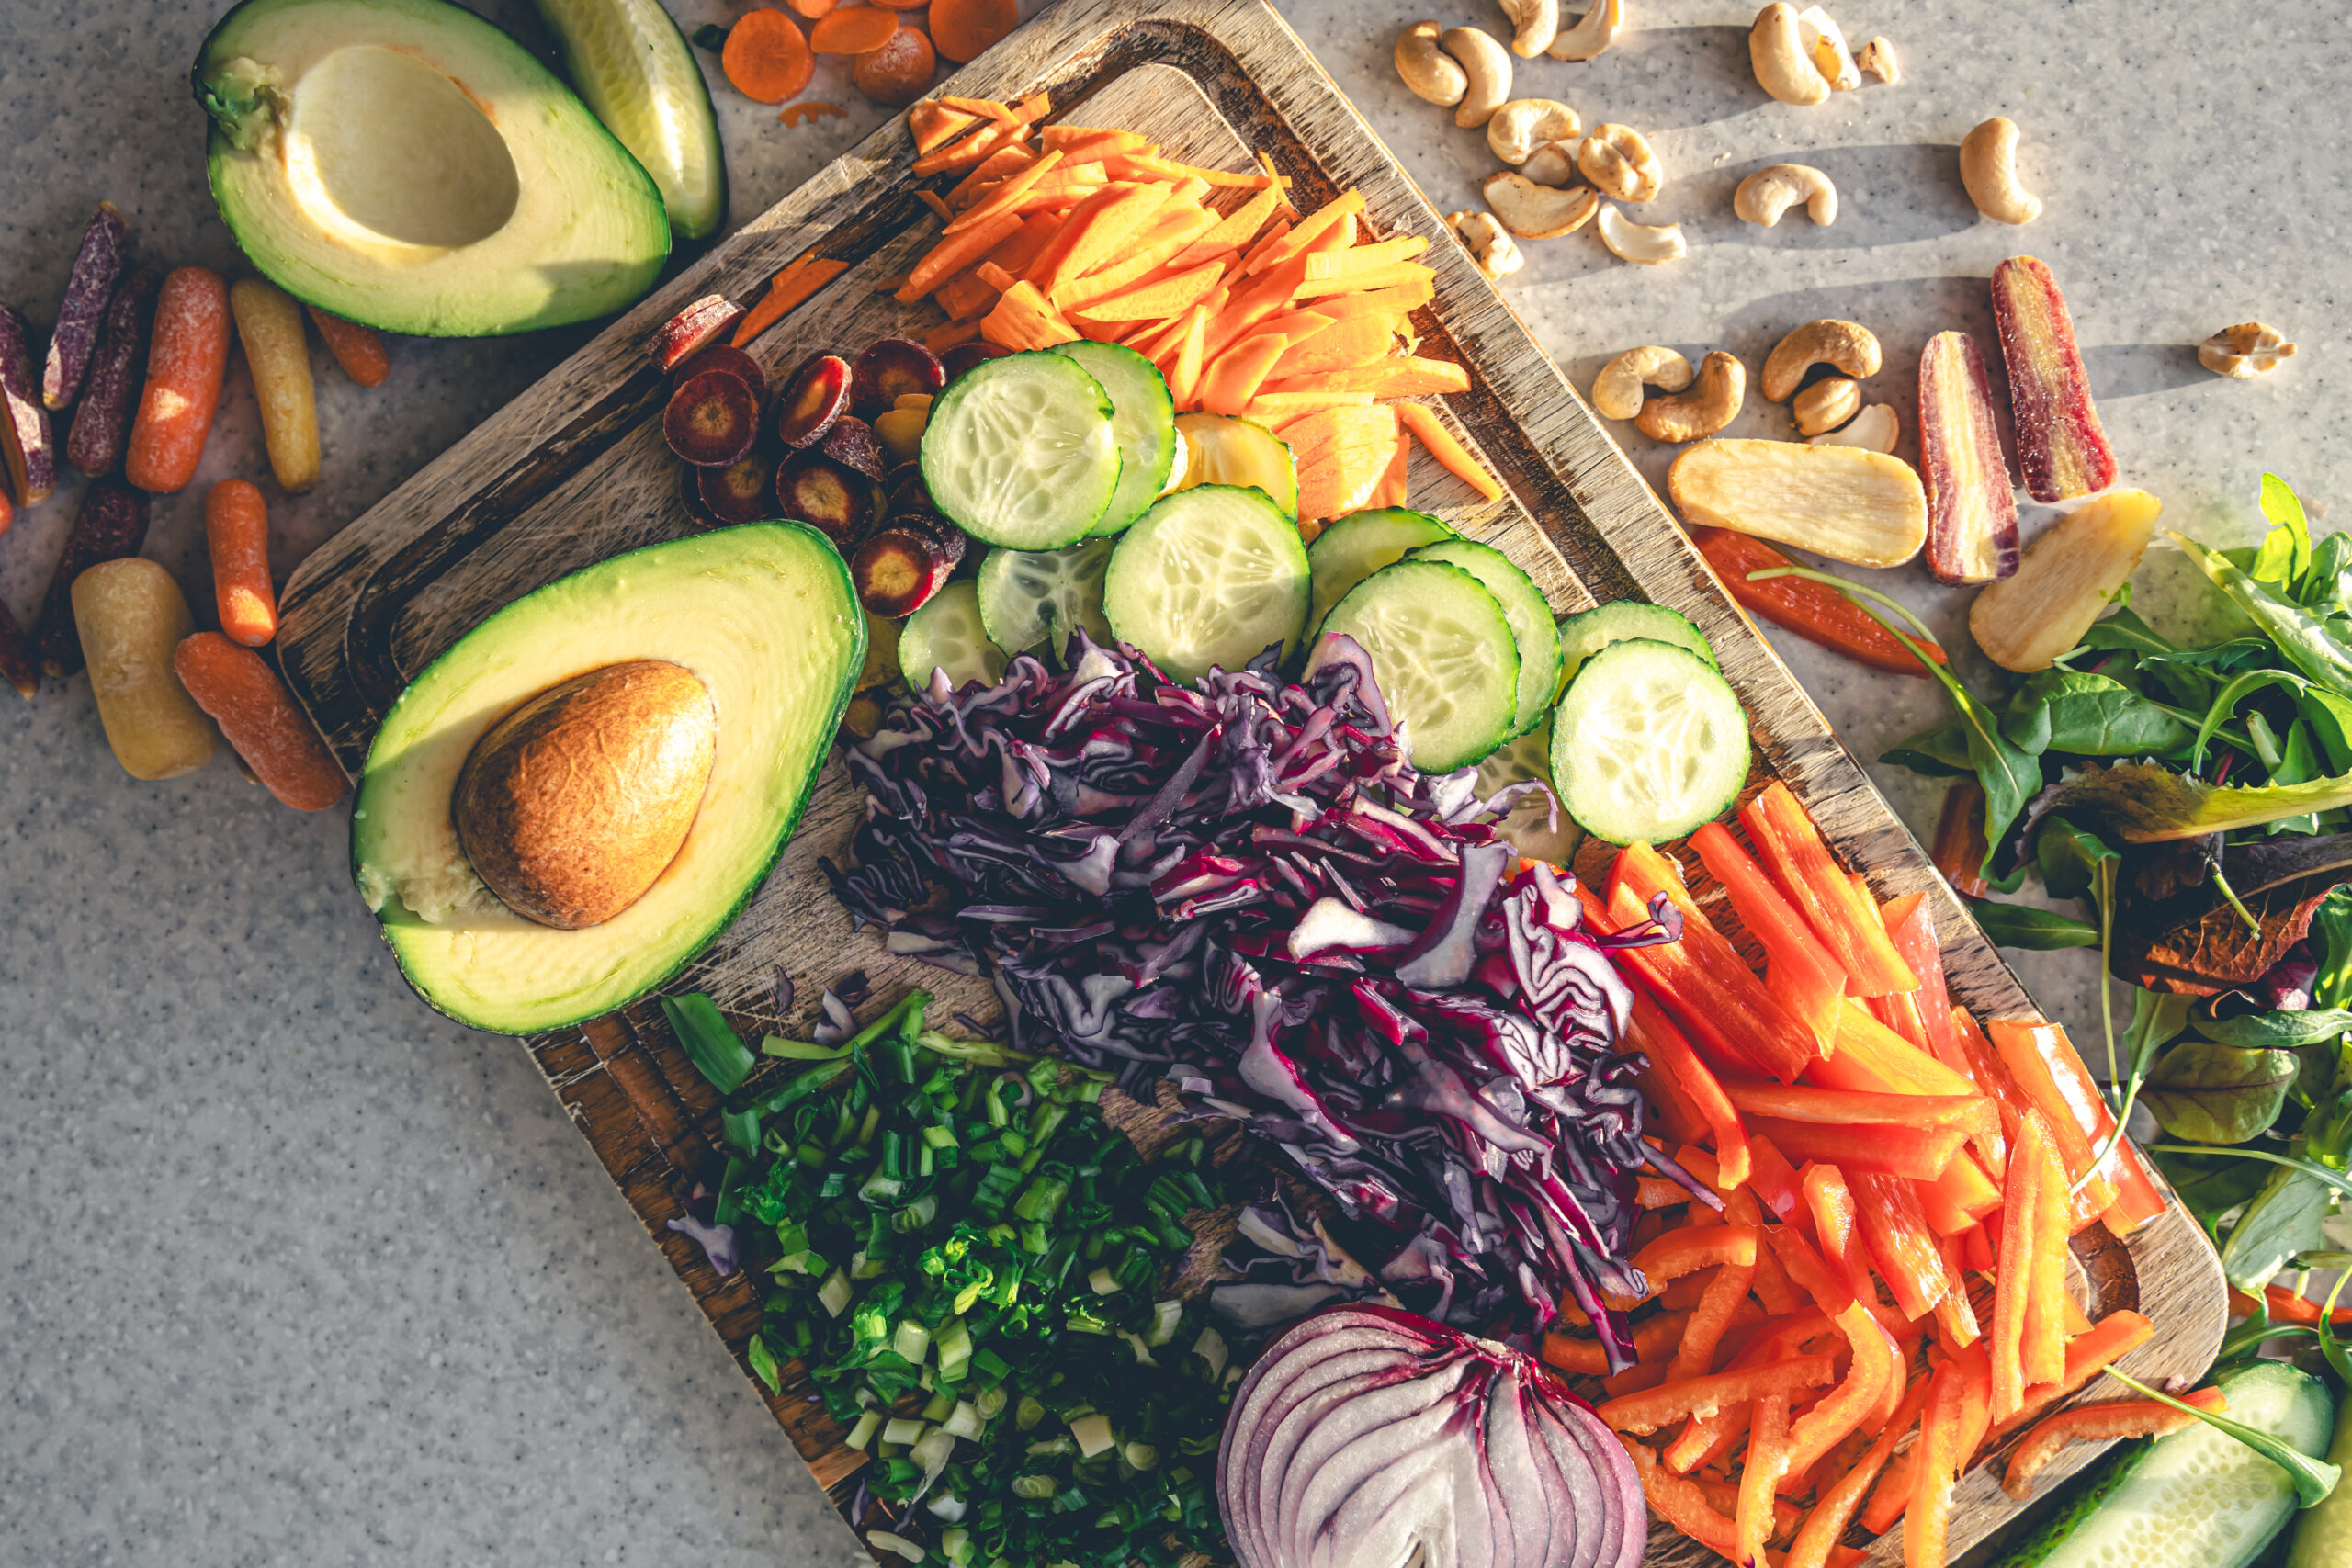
x=573, y=805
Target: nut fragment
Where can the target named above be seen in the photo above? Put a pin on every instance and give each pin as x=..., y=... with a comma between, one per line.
x=1849, y=346
x=1875, y=429
x=1712, y=402
x=1486, y=66
x=1433, y=75
x=1522, y=125
x=2244, y=351
x=1538, y=22
x=1825, y=42
x=1826, y=405
x=1594, y=31
x=1988, y=167
x=1495, y=251
x=1877, y=59
x=1617, y=391
x=1619, y=162
x=1538, y=212
x=1771, y=191
x=1629, y=240
x=1784, y=67
x=1553, y=163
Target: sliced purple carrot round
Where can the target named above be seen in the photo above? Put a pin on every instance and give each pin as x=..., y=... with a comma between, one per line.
x=741, y=491
x=838, y=503
x=812, y=399
x=712, y=419
x=734, y=361
x=898, y=568
x=851, y=444
x=891, y=368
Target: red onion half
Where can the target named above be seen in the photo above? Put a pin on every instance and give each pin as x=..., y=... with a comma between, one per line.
x=1370, y=1437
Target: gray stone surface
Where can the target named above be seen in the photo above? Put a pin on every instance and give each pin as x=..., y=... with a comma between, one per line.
x=299, y=1271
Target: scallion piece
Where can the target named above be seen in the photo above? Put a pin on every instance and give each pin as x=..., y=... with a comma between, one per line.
x=708, y=1042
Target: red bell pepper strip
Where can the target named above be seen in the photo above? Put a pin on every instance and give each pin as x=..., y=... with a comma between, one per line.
x=1718, y=1309
x=1671, y=1401
x=1853, y=1402
x=1684, y=974
x=1810, y=1271
x=2014, y=1282
x=2110, y=1339
x=1976, y=1247
x=1852, y=1107
x=1961, y=1197
x=1959, y=847
x=1682, y=1503
x=1693, y=1248
x=1834, y=1510
x=1772, y=1177
x=1847, y=921
x=1911, y=927
x=2137, y=1199
x=1670, y=1110
x=1767, y=1464
x=1708, y=1436
x=1901, y=1246
x=1813, y=611
x=1956, y=1325
x=1890, y=1151
x=2285, y=1307
x=1653, y=1337
x=1800, y=971
x=2045, y=1067
x=1874, y=1059
x=1649, y=1031
x=1832, y=1202
x=2098, y=1424
x=1936, y=1464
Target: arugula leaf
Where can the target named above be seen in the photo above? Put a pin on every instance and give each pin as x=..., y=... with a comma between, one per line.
x=2304, y=638
x=2148, y=804
x=2314, y=1478
x=2282, y=1220
x=2330, y=716
x=2036, y=930
x=2069, y=858
x=2226, y=701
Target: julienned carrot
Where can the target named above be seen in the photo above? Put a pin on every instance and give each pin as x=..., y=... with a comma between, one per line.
x=983, y=140
x=983, y=178
x=852, y=30
x=1233, y=380
x=766, y=57
x=790, y=289
x=934, y=123
x=236, y=534
x=955, y=253
x=962, y=29
x=2097, y=1423
x=1307, y=230
x=1676, y=1398
x=1236, y=230
x=1007, y=195
x=1023, y=319
x=269, y=325
x=187, y=356
x=1336, y=347
x=1394, y=481
x=358, y=349
x=257, y=714
x=1833, y=1509
x=1398, y=275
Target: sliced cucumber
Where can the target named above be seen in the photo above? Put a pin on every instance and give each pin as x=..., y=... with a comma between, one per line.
x=1360, y=544
x=1225, y=449
x=1530, y=617
x=1028, y=597
x=948, y=634
x=1212, y=576
x=1583, y=634
x=2201, y=1498
x=1444, y=655
x=2324, y=1535
x=1023, y=451
x=1531, y=826
x=1143, y=418
x=1648, y=743
x=638, y=74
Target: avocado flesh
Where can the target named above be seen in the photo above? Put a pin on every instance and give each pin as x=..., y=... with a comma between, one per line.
x=764, y=614
x=406, y=165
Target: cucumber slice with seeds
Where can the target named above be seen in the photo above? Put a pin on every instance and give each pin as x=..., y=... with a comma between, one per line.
x=1444, y=656
x=1530, y=617
x=1649, y=743
x=1225, y=449
x=1211, y=575
x=1029, y=597
x=1582, y=635
x=1143, y=417
x=1360, y=544
x=948, y=634
x=1023, y=451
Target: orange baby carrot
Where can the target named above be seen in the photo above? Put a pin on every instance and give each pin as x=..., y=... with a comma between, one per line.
x=187, y=356
x=258, y=715
x=236, y=532
x=358, y=349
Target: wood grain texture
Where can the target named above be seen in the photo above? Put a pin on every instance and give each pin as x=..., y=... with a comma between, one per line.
x=575, y=472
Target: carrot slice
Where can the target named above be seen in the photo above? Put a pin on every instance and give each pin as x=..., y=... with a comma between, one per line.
x=790, y=289
x=932, y=124
x=1400, y=275
x=1333, y=347
x=852, y=30
x=1025, y=319
x=1166, y=236
x=986, y=139
x=1447, y=448
x=1365, y=258
x=947, y=335
x=1403, y=377
x=953, y=253
x=1252, y=304
x=765, y=56
x=1324, y=219
x=1184, y=381
x=1233, y=230
x=1166, y=298
x=1067, y=136
x=964, y=29
x=1233, y=380
x=966, y=296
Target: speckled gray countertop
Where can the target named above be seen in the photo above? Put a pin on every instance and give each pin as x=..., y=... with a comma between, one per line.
x=297, y=1271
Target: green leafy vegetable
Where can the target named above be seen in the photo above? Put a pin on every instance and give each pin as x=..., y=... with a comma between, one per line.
x=2078, y=713
x=2148, y=804
x=2304, y=638
x=2277, y=1031
x=2331, y=937
x=2282, y=1221
x=2329, y=1345
x=2035, y=930
x=2286, y=552
x=708, y=1042
x=2314, y=1478
x=2218, y=1094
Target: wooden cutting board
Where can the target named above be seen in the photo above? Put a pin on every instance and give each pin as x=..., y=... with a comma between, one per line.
x=575, y=470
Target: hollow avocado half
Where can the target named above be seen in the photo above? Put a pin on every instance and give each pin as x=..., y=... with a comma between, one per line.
x=405, y=163
x=764, y=614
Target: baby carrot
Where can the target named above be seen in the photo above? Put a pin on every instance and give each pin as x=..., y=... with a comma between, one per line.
x=186, y=357
x=270, y=326
x=358, y=349
x=258, y=715
x=129, y=615
x=236, y=532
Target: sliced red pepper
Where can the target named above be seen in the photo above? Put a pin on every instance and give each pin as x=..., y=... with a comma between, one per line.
x=1671, y=1401
x=1907, y=1152
x=1834, y=1508
x=1853, y=1402
x=1874, y=1059
x=1926, y=1522
x=1693, y=1248
x=1774, y=1179
x=1707, y=1438
x=1853, y=1108
x=1800, y=971
x=1670, y=1110
x=2013, y=1280
x=1649, y=1031
x=1992, y=1075
x=2110, y=1339
x=1902, y=1246
x=1846, y=921
x=1961, y=1196
x=1652, y=1336
x=1810, y=1271
x=1704, y=971
x=1911, y=927
x=1813, y=611
x=2286, y=1306
x=1956, y=1325
x=2099, y=1423
x=1976, y=1246
x=1718, y=1308
x=2138, y=1199
x=2045, y=1067
x=1768, y=1462
x=1680, y=1502
x=1832, y=1204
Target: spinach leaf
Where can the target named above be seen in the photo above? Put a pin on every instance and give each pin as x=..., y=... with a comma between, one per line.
x=2218, y=1094
x=1936, y=752
x=2279, y=1031
x=2331, y=937
x=2086, y=715
x=2330, y=716
x=2210, y=1182
x=2282, y=1220
x=2304, y=638
x=2124, y=632
x=2036, y=930
x=2070, y=858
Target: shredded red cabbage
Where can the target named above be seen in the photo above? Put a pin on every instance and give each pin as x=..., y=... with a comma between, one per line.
x=1242, y=885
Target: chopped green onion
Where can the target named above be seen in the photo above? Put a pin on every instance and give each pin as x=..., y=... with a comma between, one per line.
x=963, y=1420
x=801, y=1050
x=882, y=1541
x=834, y=1292
x=708, y=1042
x=939, y=1138
x=903, y=1429
x=1102, y=1282
x=762, y=1361
x=938, y=1407
x=1027, y=1414
x=913, y=1341
x=1141, y=1456
x=863, y=1433
x=1034, y=1486
x=1165, y=1317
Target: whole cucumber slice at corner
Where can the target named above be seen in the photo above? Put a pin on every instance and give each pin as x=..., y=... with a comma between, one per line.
x=1443, y=654
x=1143, y=417
x=1209, y=577
x=1649, y=743
x=1022, y=451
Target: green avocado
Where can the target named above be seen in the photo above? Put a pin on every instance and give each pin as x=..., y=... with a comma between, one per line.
x=764, y=614
x=404, y=163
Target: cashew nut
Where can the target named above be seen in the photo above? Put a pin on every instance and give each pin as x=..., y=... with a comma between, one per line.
x=1825, y=42
x=1629, y=240
x=1875, y=429
x=1617, y=391
x=1553, y=163
x=1847, y=344
x=1594, y=31
x=1432, y=74
x=1538, y=22
x=1538, y=212
x=1988, y=167
x=1878, y=59
x=1826, y=405
x=1763, y=195
x=1486, y=65
x=1619, y=162
x=1712, y=403
x=2244, y=351
x=1522, y=125
x=1784, y=67
x=1495, y=252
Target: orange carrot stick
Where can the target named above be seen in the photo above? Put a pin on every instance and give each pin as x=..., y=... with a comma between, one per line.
x=258, y=715
x=358, y=349
x=790, y=290
x=236, y=534
x=188, y=355
x=1233, y=380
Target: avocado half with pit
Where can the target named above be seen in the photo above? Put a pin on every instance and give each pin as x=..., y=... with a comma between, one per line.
x=404, y=163
x=566, y=806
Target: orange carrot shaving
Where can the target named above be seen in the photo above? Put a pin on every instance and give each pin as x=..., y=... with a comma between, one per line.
x=852, y=30
x=934, y=123
x=954, y=253
x=986, y=139
x=791, y=288
x=1442, y=444
x=765, y=56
